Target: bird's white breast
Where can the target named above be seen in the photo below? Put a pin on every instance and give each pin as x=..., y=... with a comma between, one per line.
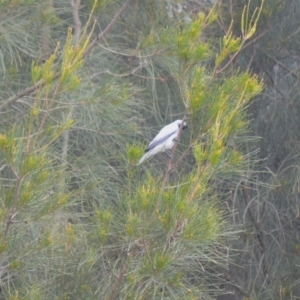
x=169, y=142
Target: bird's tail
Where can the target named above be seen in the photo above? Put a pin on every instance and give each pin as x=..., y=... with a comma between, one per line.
x=144, y=157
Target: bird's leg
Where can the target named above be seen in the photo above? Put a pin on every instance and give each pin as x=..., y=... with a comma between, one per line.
x=169, y=154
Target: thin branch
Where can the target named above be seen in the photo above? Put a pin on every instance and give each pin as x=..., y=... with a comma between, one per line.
x=118, y=283
x=169, y=163
x=106, y=30
x=239, y=288
x=279, y=63
x=77, y=23
x=141, y=66
x=40, y=83
x=25, y=92
x=13, y=210
x=259, y=233
x=243, y=47
x=65, y=144
x=132, y=53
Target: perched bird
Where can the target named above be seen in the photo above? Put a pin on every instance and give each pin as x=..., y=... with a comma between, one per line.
x=164, y=140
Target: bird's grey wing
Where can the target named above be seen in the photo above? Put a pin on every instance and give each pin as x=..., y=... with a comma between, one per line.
x=156, y=142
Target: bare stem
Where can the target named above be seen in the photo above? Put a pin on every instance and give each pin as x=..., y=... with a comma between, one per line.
x=106, y=30
x=77, y=23
x=169, y=163
x=13, y=209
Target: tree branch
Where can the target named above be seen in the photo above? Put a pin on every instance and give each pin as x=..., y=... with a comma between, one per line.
x=19, y=95
x=169, y=163
x=40, y=83
x=77, y=23
x=106, y=30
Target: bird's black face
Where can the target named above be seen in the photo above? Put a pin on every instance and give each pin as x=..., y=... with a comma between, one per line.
x=185, y=125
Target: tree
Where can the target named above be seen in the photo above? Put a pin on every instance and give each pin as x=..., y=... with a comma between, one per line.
x=79, y=219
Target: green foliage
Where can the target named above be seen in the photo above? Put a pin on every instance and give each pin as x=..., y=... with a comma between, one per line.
x=229, y=45
x=79, y=218
x=190, y=45
x=249, y=25
x=133, y=154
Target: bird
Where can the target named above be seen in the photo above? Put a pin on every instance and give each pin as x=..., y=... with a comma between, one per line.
x=164, y=140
